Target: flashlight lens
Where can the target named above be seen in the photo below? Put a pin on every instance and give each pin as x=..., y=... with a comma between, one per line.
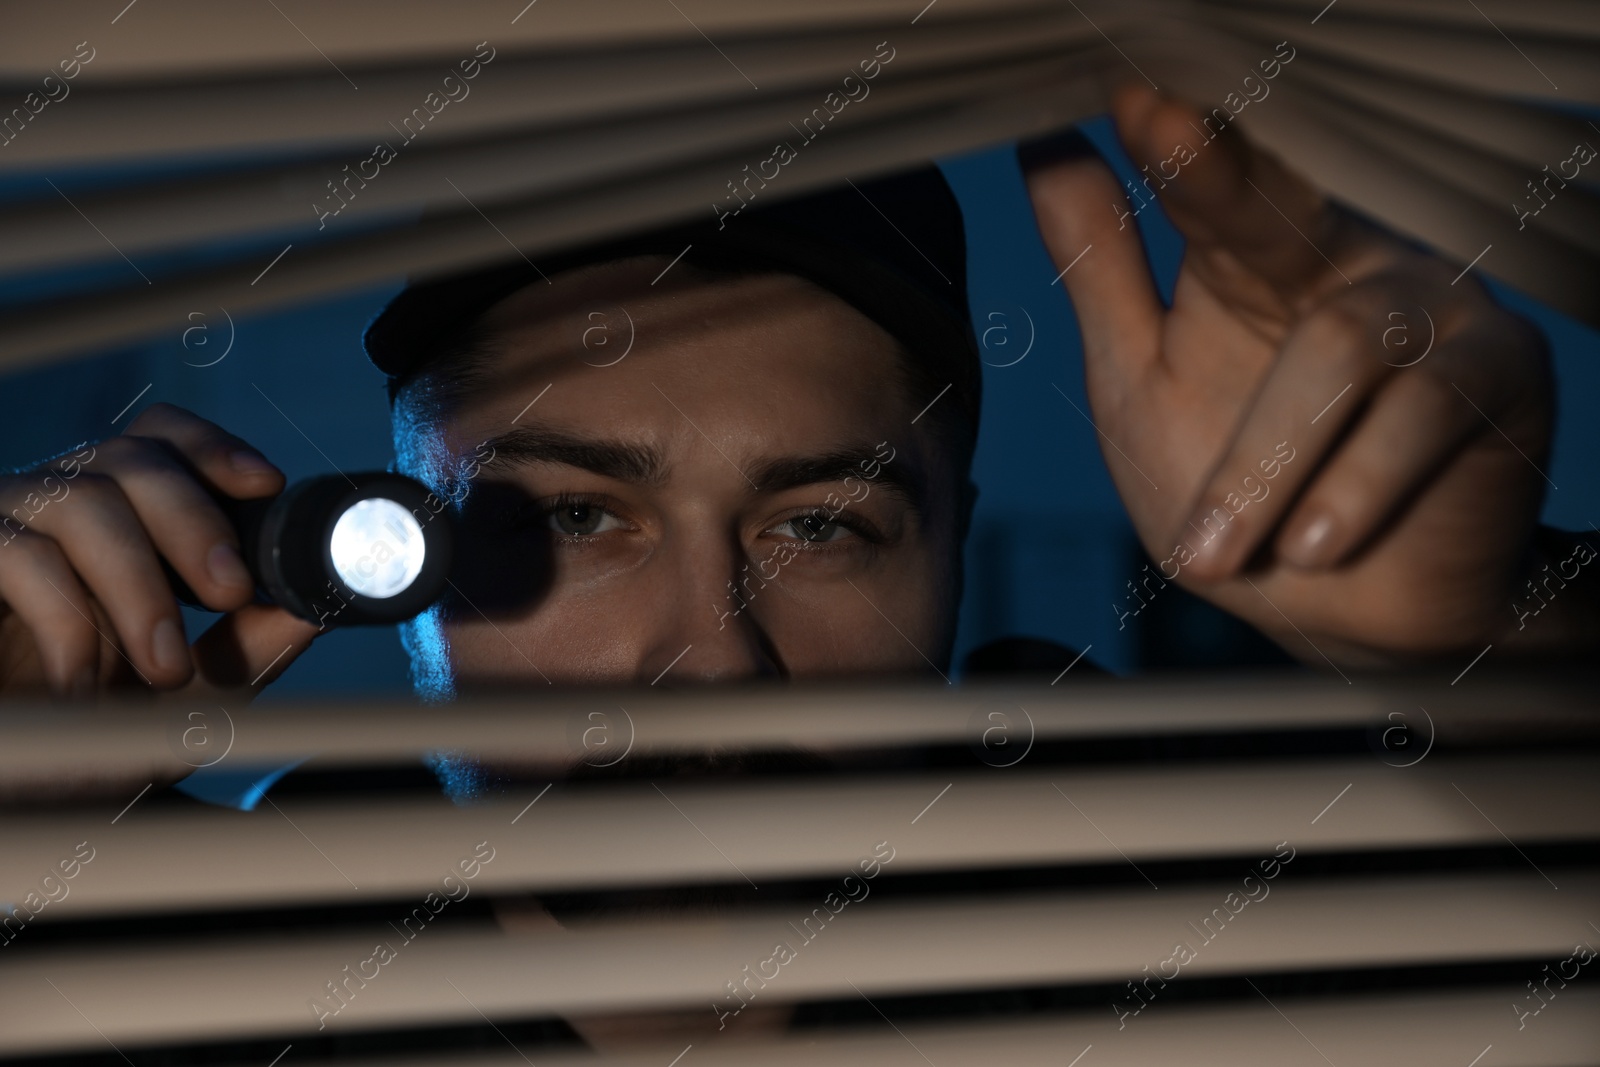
x=377, y=548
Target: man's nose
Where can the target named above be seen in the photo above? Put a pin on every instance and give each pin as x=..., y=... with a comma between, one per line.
x=707, y=625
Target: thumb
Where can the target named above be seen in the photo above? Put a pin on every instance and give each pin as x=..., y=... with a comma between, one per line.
x=247, y=650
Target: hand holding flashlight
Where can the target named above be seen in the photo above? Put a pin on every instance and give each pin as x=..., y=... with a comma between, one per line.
x=369, y=548
x=88, y=540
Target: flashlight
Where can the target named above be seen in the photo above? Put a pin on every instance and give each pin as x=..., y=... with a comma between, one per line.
x=369, y=548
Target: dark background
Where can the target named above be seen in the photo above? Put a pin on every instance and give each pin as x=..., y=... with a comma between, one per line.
x=1051, y=549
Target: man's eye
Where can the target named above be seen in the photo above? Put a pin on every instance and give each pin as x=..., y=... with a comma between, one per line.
x=814, y=528
x=579, y=519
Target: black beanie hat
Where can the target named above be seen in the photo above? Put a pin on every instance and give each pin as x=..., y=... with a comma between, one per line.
x=893, y=248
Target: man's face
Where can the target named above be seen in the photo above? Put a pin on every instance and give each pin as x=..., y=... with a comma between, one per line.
x=742, y=494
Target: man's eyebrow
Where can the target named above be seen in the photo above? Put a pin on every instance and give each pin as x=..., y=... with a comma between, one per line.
x=794, y=472
x=626, y=462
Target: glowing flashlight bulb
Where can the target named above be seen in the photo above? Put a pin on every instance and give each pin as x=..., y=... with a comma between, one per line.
x=365, y=548
x=377, y=548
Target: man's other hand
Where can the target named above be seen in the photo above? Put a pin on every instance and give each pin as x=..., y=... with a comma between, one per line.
x=1281, y=441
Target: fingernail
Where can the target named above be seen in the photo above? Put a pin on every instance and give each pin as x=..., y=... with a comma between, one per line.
x=167, y=646
x=227, y=568
x=1311, y=546
x=249, y=461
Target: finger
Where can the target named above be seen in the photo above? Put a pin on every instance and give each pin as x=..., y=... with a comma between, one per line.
x=249, y=649
x=1239, y=209
x=1321, y=379
x=38, y=583
x=1085, y=221
x=185, y=523
x=225, y=462
x=1411, y=430
x=102, y=537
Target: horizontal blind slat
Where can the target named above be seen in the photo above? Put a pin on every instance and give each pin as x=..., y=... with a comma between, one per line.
x=299, y=851
x=265, y=986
